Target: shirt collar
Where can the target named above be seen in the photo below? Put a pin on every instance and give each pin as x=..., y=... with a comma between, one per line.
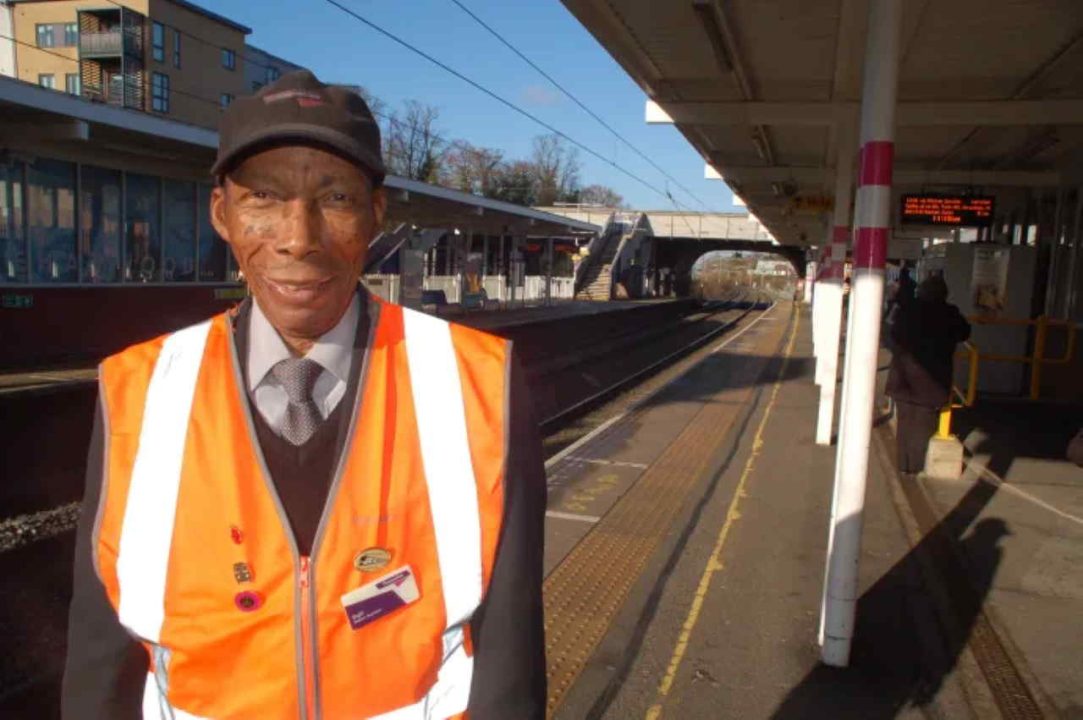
x=333, y=350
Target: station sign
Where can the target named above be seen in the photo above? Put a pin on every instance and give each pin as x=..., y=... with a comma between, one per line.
x=947, y=210
x=811, y=204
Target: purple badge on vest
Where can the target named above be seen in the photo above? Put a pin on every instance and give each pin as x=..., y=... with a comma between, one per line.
x=372, y=601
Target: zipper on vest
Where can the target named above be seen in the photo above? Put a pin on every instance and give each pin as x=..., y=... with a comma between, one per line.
x=304, y=580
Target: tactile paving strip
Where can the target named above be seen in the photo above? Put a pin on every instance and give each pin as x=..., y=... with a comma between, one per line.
x=583, y=594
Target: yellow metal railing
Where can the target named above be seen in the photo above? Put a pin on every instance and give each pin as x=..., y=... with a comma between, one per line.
x=1037, y=360
x=960, y=398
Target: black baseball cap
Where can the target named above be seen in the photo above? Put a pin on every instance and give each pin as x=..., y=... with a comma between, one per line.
x=299, y=109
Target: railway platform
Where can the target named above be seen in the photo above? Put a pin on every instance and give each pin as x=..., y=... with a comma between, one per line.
x=685, y=557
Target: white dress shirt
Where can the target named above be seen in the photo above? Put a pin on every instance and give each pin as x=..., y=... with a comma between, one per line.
x=333, y=351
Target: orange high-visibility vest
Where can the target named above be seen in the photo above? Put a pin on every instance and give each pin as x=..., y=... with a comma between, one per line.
x=187, y=497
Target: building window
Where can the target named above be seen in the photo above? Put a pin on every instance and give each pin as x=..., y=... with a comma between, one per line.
x=51, y=196
x=46, y=37
x=99, y=229
x=225, y=99
x=158, y=42
x=179, y=231
x=143, y=242
x=159, y=100
x=176, y=48
x=47, y=81
x=12, y=240
x=71, y=34
x=256, y=86
x=71, y=83
x=272, y=74
x=229, y=59
x=212, y=249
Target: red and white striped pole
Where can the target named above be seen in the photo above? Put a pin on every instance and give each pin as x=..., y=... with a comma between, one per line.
x=872, y=218
x=822, y=255
x=827, y=366
x=810, y=278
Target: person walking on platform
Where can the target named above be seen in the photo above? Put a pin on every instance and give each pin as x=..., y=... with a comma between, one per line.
x=924, y=336
x=902, y=294
x=319, y=504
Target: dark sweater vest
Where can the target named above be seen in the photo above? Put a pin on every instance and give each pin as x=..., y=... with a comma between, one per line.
x=302, y=473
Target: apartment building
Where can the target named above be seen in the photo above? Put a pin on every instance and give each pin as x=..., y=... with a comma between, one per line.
x=167, y=57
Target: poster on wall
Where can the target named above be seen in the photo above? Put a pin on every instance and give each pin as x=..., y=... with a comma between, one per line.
x=989, y=281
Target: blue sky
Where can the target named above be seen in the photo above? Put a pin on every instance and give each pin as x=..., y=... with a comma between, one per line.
x=338, y=48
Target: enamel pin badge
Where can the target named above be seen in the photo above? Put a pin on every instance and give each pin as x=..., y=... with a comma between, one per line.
x=372, y=559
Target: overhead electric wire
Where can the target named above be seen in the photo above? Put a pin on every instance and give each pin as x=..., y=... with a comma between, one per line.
x=502, y=100
x=390, y=117
x=578, y=102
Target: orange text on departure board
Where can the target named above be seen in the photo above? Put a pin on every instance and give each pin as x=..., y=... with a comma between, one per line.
x=947, y=210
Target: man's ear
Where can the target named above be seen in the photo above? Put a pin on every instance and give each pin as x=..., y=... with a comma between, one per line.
x=379, y=206
x=218, y=211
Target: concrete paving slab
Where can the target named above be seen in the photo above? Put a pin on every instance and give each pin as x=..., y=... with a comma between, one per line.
x=1035, y=580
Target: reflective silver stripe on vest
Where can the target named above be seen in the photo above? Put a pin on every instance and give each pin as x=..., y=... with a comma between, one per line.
x=147, y=530
x=449, y=474
x=445, y=456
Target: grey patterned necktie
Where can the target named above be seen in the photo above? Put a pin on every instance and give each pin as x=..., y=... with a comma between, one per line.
x=298, y=376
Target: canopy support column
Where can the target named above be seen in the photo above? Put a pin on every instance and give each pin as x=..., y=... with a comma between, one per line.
x=830, y=294
x=872, y=222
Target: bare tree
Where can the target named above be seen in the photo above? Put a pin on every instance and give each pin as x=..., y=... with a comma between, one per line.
x=600, y=195
x=412, y=145
x=517, y=183
x=472, y=169
x=556, y=169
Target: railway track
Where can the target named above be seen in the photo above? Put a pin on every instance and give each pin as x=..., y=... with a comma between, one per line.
x=611, y=381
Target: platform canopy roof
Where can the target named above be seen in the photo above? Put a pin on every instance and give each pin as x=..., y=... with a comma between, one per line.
x=990, y=92
x=33, y=118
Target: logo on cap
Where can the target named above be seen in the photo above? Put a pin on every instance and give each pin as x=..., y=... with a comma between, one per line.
x=304, y=98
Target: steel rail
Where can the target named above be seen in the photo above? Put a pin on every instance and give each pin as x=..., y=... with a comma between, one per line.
x=554, y=422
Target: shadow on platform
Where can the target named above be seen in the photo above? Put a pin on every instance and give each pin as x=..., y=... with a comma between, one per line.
x=1005, y=430
x=903, y=648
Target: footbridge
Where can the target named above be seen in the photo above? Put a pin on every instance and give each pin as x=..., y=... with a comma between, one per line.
x=652, y=252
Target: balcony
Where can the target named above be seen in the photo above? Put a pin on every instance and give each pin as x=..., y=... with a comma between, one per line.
x=104, y=43
x=113, y=93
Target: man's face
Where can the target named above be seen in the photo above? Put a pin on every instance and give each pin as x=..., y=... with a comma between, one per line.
x=299, y=221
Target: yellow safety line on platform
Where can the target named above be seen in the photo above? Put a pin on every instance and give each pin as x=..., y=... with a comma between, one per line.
x=588, y=587
x=714, y=563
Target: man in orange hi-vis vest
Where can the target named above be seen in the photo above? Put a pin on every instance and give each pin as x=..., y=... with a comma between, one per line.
x=318, y=505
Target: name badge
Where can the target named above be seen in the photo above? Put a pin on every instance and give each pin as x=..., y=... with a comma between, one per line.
x=372, y=601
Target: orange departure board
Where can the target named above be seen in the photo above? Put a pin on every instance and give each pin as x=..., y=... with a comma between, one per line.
x=950, y=210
